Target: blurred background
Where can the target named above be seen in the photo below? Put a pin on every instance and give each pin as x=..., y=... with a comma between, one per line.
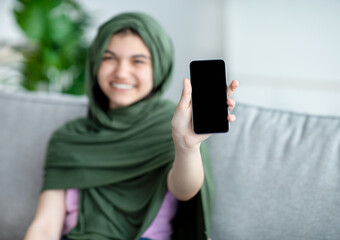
x=285, y=54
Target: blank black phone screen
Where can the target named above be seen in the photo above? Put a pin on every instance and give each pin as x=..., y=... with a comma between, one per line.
x=209, y=96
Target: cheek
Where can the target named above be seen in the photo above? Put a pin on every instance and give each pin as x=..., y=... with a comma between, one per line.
x=103, y=71
x=148, y=80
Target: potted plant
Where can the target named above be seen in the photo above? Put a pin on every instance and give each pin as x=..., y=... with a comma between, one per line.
x=56, y=50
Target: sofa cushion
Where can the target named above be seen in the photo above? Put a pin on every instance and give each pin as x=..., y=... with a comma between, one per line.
x=27, y=120
x=277, y=176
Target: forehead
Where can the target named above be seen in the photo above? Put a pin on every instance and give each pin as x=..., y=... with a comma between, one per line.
x=127, y=45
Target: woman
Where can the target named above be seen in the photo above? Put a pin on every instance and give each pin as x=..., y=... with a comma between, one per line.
x=133, y=168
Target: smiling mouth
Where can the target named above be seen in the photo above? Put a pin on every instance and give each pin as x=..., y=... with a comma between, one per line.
x=122, y=86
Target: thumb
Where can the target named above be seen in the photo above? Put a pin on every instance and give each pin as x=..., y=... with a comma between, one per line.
x=185, y=100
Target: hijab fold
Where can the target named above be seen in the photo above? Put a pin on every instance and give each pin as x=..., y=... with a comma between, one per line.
x=119, y=158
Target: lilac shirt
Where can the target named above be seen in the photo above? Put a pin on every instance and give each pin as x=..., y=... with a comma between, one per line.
x=159, y=229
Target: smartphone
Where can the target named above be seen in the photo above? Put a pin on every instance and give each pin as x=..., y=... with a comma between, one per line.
x=209, y=96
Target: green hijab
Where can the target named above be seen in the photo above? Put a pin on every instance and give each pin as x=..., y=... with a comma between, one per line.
x=119, y=158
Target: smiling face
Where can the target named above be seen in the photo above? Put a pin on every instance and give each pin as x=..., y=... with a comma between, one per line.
x=125, y=72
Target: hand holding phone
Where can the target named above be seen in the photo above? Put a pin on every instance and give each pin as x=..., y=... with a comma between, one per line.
x=209, y=96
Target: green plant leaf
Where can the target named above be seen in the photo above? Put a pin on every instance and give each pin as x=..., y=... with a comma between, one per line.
x=57, y=29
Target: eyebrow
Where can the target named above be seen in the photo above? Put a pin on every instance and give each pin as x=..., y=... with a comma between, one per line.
x=133, y=56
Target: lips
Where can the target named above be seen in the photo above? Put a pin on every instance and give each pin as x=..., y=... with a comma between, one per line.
x=122, y=86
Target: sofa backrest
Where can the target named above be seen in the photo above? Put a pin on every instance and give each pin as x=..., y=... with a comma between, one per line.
x=277, y=173
x=27, y=121
x=277, y=176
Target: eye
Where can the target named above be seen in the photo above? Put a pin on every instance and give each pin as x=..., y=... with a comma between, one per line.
x=138, y=61
x=108, y=57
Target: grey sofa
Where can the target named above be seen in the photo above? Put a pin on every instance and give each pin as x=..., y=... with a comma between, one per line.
x=277, y=173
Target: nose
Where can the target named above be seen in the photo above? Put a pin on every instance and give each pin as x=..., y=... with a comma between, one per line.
x=122, y=70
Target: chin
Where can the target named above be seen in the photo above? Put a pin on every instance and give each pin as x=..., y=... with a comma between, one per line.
x=120, y=104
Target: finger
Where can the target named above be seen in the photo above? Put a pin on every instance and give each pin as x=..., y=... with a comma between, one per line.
x=185, y=100
x=232, y=87
x=231, y=118
x=231, y=104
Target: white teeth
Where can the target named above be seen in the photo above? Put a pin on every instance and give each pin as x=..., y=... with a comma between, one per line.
x=122, y=86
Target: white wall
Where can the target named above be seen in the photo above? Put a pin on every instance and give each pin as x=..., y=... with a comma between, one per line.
x=286, y=54
x=9, y=30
